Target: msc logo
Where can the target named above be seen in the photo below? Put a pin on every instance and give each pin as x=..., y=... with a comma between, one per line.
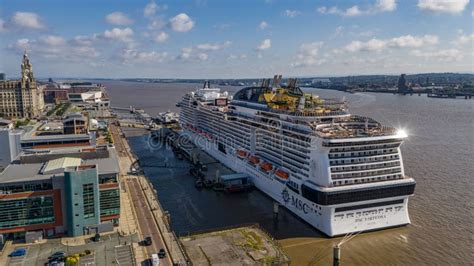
x=295, y=202
x=285, y=195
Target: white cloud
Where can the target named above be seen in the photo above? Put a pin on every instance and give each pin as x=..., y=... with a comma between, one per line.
x=151, y=9
x=119, y=34
x=447, y=6
x=371, y=45
x=413, y=41
x=156, y=23
x=384, y=6
x=23, y=44
x=378, y=45
x=202, y=56
x=54, y=47
x=181, y=23
x=234, y=57
x=186, y=52
x=213, y=46
x=85, y=51
x=132, y=55
x=264, y=45
x=263, y=25
x=464, y=39
x=27, y=20
x=161, y=37
x=291, y=13
x=308, y=55
x=118, y=18
x=448, y=55
x=53, y=40
x=83, y=40
x=378, y=7
x=353, y=11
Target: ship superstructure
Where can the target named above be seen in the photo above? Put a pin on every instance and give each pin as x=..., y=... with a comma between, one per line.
x=339, y=172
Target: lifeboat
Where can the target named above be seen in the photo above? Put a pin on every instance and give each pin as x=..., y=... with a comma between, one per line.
x=266, y=167
x=282, y=174
x=254, y=160
x=242, y=154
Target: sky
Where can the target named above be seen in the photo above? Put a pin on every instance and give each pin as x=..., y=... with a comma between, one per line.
x=235, y=39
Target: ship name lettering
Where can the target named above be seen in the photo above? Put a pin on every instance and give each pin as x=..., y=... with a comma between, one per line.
x=299, y=204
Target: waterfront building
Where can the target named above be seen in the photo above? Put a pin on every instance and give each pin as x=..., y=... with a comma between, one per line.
x=9, y=143
x=71, y=132
x=60, y=192
x=75, y=123
x=403, y=85
x=21, y=98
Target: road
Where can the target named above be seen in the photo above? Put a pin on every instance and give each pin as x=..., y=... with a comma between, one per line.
x=148, y=226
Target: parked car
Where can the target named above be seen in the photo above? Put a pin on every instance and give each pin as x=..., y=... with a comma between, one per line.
x=18, y=252
x=56, y=263
x=96, y=237
x=155, y=260
x=161, y=253
x=147, y=241
x=57, y=256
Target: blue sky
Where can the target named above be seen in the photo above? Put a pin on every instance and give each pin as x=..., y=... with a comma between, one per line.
x=236, y=39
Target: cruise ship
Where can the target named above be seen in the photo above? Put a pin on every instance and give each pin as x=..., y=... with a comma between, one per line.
x=339, y=172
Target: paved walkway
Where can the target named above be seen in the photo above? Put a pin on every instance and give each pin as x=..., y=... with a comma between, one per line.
x=145, y=208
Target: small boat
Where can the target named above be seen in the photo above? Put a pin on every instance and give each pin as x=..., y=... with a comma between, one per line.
x=199, y=184
x=242, y=154
x=208, y=183
x=254, y=160
x=266, y=167
x=281, y=174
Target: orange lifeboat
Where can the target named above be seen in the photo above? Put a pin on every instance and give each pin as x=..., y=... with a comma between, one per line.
x=282, y=174
x=254, y=160
x=266, y=167
x=242, y=154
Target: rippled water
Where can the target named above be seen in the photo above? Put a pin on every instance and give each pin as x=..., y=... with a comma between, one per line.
x=438, y=154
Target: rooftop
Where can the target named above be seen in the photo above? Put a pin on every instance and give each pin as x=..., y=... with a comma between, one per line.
x=24, y=172
x=58, y=165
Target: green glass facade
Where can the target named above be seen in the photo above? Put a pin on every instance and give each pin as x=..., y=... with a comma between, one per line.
x=82, y=200
x=109, y=202
x=28, y=211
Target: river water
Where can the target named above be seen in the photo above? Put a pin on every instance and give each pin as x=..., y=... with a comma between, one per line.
x=438, y=153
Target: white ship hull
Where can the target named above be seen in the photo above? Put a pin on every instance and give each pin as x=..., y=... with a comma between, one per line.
x=326, y=219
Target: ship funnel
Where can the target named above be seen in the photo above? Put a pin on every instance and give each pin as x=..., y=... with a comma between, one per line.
x=276, y=81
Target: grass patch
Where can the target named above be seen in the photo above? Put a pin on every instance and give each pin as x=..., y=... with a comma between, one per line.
x=251, y=240
x=62, y=110
x=22, y=123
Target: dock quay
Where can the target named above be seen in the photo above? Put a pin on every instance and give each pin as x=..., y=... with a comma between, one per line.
x=241, y=245
x=150, y=218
